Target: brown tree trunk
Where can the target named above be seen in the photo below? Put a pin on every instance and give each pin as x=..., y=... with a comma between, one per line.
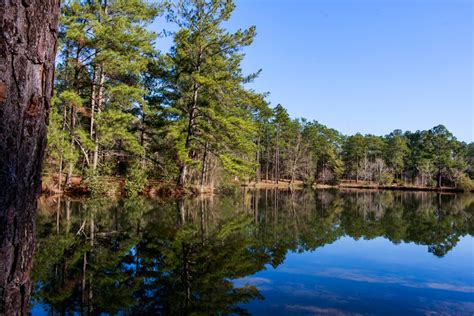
x=277, y=159
x=357, y=171
x=267, y=164
x=98, y=108
x=27, y=51
x=184, y=168
x=204, y=167
x=259, y=166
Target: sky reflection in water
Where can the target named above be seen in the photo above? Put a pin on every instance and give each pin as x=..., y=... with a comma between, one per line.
x=368, y=277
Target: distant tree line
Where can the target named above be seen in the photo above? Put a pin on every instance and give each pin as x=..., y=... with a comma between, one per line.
x=311, y=152
x=124, y=108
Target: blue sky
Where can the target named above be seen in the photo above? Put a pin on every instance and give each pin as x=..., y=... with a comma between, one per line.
x=368, y=66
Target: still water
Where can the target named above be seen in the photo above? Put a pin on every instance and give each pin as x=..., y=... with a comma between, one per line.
x=267, y=252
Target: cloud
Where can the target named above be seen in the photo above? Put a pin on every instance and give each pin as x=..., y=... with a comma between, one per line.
x=257, y=281
x=372, y=277
x=318, y=310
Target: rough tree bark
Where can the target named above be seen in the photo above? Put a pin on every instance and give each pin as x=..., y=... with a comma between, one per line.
x=28, y=33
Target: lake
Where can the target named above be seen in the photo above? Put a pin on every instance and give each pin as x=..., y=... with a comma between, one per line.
x=263, y=252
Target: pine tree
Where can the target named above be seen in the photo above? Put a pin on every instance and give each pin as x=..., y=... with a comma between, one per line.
x=106, y=49
x=444, y=149
x=323, y=157
x=282, y=123
x=262, y=117
x=210, y=110
x=355, y=149
x=397, y=152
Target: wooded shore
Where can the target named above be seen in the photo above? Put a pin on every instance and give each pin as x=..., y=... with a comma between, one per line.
x=185, y=116
x=354, y=185
x=115, y=186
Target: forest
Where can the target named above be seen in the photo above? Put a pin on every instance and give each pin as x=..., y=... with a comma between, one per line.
x=126, y=112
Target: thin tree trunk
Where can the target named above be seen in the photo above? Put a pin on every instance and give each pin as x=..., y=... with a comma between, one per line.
x=92, y=238
x=93, y=101
x=357, y=171
x=93, y=106
x=58, y=217
x=275, y=166
x=68, y=215
x=72, y=123
x=203, y=169
x=184, y=168
x=267, y=165
x=83, y=281
x=295, y=161
x=98, y=105
x=190, y=131
x=60, y=173
x=258, y=160
x=142, y=139
x=277, y=159
x=27, y=50
x=71, y=132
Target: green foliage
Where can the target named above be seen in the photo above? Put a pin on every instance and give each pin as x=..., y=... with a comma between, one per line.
x=114, y=130
x=355, y=149
x=397, y=151
x=59, y=140
x=465, y=183
x=323, y=146
x=101, y=185
x=135, y=180
x=228, y=186
x=96, y=185
x=386, y=178
x=469, y=158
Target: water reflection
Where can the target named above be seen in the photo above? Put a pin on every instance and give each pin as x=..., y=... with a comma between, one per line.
x=183, y=257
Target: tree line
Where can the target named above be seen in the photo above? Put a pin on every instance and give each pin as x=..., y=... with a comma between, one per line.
x=124, y=108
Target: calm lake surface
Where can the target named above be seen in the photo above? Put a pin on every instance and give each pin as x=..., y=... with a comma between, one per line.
x=267, y=252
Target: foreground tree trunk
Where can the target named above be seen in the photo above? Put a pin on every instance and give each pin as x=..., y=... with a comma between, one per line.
x=27, y=51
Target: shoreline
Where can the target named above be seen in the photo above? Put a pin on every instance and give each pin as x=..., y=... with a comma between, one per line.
x=354, y=185
x=159, y=189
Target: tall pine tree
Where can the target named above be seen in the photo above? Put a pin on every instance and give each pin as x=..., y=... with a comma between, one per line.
x=106, y=49
x=210, y=110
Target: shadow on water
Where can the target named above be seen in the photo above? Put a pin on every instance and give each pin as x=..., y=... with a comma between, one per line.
x=181, y=256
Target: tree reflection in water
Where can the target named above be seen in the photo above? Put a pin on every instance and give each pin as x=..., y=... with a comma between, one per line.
x=181, y=256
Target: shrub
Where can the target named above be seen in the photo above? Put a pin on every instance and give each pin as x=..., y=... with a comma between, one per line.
x=135, y=180
x=100, y=185
x=386, y=178
x=228, y=188
x=465, y=183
